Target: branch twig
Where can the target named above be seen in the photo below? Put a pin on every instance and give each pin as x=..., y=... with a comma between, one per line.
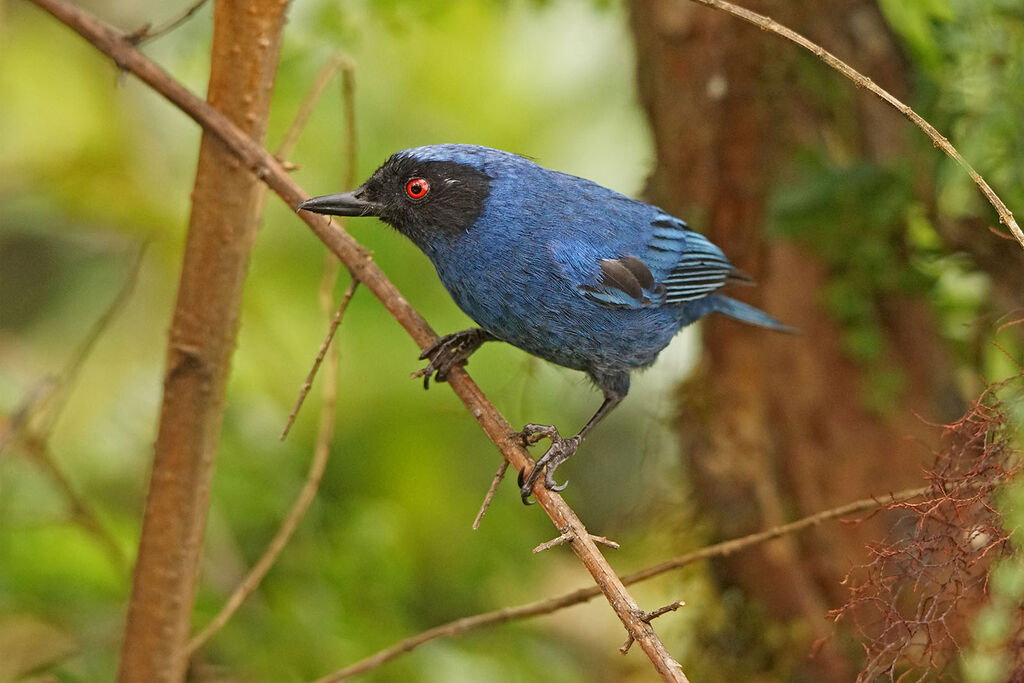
x=143, y=33
x=299, y=507
x=358, y=260
x=322, y=352
x=550, y=605
x=498, y=476
x=862, y=81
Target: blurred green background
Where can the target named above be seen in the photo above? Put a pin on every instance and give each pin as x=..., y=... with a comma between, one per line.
x=93, y=165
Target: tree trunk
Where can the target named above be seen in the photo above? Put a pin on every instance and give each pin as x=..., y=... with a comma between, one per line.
x=221, y=232
x=774, y=425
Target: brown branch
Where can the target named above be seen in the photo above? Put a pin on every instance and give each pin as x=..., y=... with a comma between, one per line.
x=861, y=81
x=325, y=432
x=550, y=605
x=359, y=261
x=291, y=138
x=222, y=230
x=323, y=79
x=565, y=538
x=302, y=502
x=553, y=543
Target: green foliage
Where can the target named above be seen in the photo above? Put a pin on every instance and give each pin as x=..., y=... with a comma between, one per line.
x=969, y=62
x=983, y=67
x=915, y=21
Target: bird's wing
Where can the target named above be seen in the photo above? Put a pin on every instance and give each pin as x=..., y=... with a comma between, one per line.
x=669, y=264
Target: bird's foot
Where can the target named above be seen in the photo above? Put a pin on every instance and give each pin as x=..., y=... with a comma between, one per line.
x=449, y=351
x=561, y=450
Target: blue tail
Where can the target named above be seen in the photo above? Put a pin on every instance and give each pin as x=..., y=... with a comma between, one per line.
x=716, y=303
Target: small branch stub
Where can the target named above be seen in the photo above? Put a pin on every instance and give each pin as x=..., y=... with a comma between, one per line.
x=567, y=537
x=647, y=617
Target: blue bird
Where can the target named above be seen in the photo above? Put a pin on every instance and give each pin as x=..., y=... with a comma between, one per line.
x=556, y=265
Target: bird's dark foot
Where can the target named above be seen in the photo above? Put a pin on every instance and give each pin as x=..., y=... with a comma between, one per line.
x=561, y=450
x=449, y=351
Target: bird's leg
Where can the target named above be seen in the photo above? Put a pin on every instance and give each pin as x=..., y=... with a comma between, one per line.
x=449, y=351
x=561, y=448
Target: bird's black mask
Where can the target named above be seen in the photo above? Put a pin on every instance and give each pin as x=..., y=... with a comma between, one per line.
x=418, y=198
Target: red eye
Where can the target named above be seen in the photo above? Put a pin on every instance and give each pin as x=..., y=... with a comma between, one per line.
x=417, y=188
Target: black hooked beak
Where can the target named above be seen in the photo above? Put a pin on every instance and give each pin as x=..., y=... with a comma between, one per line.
x=352, y=203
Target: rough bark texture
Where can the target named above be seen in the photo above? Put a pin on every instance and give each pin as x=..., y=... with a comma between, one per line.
x=773, y=424
x=221, y=232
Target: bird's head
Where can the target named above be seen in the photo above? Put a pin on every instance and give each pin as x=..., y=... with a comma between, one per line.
x=425, y=192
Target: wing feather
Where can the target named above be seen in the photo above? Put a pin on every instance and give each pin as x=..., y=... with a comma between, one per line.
x=675, y=265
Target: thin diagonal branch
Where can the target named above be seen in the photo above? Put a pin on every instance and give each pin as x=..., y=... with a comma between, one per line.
x=861, y=81
x=338, y=62
x=359, y=261
x=316, y=91
x=550, y=605
x=147, y=32
x=69, y=374
x=489, y=496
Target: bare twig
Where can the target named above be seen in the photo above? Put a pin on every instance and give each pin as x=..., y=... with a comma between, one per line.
x=321, y=353
x=862, y=81
x=550, y=605
x=498, y=476
x=17, y=422
x=299, y=507
x=556, y=541
x=359, y=261
x=291, y=136
x=603, y=540
x=565, y=538
x=74, y=365
x=143, y=33
x=671, y=607
x=323, y=79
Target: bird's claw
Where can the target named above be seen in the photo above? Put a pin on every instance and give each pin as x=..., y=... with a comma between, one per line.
x=532, y=433
x=447, y=352
x=561, y=450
